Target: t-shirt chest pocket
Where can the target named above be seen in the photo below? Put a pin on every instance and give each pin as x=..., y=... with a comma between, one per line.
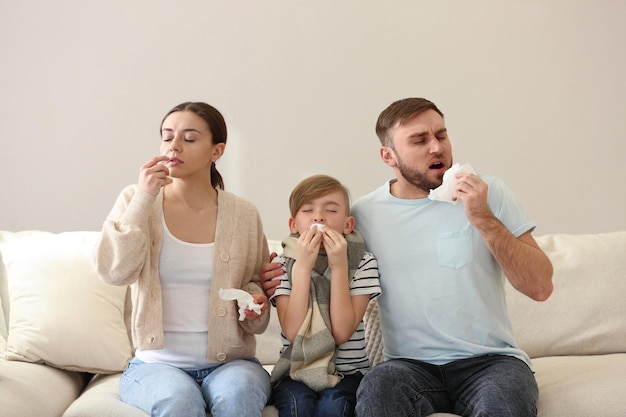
x=455, y=249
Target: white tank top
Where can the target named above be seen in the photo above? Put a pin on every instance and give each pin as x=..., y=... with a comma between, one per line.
x=185, y=270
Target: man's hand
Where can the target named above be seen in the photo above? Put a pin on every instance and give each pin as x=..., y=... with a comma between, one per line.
x=473, y=191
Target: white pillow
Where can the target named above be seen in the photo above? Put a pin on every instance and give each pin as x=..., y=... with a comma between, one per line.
x=3, y=306
x=586, y=313
x=5, y=236
x=61, y=313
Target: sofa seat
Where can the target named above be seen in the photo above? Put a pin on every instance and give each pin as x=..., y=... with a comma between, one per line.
x=102, y=394
x=581, y=386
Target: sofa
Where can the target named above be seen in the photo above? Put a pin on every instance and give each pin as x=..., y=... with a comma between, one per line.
x=64, y=334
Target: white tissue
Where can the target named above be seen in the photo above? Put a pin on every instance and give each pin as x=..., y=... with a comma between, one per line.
x=244, y=300
x=446, y=189
x=319, y=226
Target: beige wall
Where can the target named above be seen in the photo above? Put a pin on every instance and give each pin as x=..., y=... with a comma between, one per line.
x=534, y=92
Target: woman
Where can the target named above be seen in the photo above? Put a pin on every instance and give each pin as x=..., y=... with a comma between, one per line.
x=177, y=238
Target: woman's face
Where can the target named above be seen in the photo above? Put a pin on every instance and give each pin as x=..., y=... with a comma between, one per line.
x=187, y=141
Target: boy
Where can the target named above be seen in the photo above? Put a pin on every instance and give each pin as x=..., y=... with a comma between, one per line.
x=327, y=284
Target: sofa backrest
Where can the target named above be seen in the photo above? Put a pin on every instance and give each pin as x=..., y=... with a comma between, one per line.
x=586, y=313
x=60, y=312
x=268, y=343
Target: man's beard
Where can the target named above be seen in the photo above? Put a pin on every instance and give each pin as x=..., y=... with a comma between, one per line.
x=416, y=178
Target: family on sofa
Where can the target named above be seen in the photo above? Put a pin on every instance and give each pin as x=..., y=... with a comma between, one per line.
x=176, y=238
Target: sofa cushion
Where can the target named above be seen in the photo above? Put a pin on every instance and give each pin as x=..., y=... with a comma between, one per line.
x=102, y=398
x=6, y=236
x=61, y=313
x=29, y=389
x=4, y=307
x=268, y=343
x=586, y=314
x=581, y=386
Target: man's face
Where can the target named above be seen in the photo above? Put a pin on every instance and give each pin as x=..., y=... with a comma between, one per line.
x=421, y=153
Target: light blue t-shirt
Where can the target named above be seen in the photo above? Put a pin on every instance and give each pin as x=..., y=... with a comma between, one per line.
x=442, y=291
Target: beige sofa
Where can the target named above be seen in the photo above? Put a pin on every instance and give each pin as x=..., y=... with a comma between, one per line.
x=64, y=339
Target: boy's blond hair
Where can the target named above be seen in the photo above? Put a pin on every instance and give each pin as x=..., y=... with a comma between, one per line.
x=313, y=187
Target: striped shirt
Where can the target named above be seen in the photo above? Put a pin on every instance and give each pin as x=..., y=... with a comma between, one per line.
x=351, y=355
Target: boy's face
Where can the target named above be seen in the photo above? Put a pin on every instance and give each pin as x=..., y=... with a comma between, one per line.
x=330, y=210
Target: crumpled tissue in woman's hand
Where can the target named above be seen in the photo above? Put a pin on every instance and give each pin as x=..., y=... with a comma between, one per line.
x=244, y=299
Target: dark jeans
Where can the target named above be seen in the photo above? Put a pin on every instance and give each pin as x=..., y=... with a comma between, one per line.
x=486, y=386
x=295, y=399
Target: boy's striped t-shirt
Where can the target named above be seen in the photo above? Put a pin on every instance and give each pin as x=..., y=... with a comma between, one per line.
x=351, y=355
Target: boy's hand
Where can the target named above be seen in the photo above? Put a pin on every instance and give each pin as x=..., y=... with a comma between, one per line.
x=308, y=248
x=336, y=247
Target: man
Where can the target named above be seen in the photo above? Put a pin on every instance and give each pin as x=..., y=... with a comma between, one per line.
x=448, y=340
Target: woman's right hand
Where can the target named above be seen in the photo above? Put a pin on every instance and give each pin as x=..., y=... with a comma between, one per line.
x=153, y=175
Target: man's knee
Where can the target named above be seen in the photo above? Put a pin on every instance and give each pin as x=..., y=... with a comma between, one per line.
x=382, y=382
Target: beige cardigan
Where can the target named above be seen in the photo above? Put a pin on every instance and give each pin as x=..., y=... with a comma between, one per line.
x=128, y=254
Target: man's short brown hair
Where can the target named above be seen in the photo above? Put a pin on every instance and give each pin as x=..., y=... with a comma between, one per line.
x=398, y=113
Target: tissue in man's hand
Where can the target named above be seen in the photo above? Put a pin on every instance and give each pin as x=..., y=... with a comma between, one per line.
x=244, y=299
x=446, y=189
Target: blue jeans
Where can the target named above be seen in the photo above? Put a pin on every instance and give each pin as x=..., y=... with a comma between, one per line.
x=495, y=386
x=295, y=399
x=234, y=389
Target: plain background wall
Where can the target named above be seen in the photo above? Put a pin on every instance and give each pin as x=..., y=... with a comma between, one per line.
x=533, y=92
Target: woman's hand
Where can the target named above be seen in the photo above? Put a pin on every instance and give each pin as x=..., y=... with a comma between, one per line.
x=153, y=175
x=258, y=299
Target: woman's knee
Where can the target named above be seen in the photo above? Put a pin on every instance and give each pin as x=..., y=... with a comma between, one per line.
x=239, y=385
x=161, y=390
x=229, y=378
